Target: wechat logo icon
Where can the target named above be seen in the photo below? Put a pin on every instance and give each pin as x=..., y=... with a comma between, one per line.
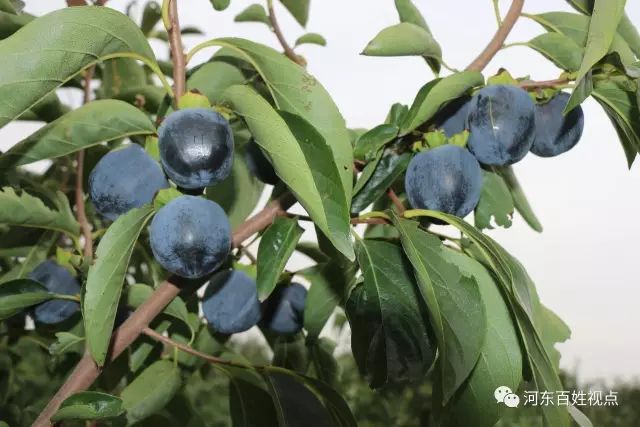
x=503, y=394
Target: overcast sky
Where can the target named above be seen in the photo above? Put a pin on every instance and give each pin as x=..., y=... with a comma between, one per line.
x=585, y=263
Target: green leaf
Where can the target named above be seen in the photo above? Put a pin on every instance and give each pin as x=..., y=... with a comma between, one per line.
x=89, y=125
x=290, y=352
x=391, y=166
x=151, y=15
x=147, y=97
x=239, y=193
x=65, y=343
x=622, y=108
x=629, y=34
x=151, y=390
x=16, y=295
x=437, y=94
x=342, y=415
x=36, y=254
x=164, y=196
x=276, y=246
x=299, y=9
x=524, y=305
x=324, y=364
x=397, y=114
x=10, y=6
x=295, y=403
x=602, y=31
x=408, y=12
x=495, y=203
x=367, y=173
x=390, y=339
x=519, y=199
x=253, y=13
x=329, y=286
x=249, y=401
x=10, y=23
x=302, y=159
x=311, y=38
x=500, y=361
x=554, y=331
x=220, y=5
x=138, y=294
x=404, y=39
x=371, y=142
x=214, y=77
x=106, y=278
x=26, y=210
x=52, y=49
x=454, y=304
x=120, y=75
x=296, y=91
x=88, y=405
x=559, y=49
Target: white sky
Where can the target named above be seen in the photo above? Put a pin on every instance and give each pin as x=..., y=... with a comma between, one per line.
x=584, y=263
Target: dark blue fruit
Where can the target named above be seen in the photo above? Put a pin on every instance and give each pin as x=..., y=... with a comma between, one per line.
x=124, y=179
x=446, y=179
x=259, y=165
x=283, y=311
x=57, y=280
x=196, y=147
x=502, y=125
x=230, y=303
x=452, y=119
x=190, y=236
x=555, y=132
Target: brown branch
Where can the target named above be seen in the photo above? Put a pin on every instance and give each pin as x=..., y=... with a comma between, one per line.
x=177, y=51
x=80, y=210
x=275, y=26
x=187, y=349
x=544, y=84
x=396, y=201
x=498, y=40
x=86, y=371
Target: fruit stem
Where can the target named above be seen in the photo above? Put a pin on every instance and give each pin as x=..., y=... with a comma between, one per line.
x=396, y=200
x=275, y=27
x=170, y=12
x=499, y=38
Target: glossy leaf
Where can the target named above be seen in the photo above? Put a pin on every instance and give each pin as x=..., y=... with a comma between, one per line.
x=602, y=31
x=404, y=39
x=500, y=361
x=453, y=301
x=52, y=49
x=342, y=415
x=253, y=13
x=391, y=166
x=249, y=401
x=295, y=403
x=496, y=202
x=302, y=159
x=520, y=201
x=436, y=94
x=151, y=390
x=559, y=49
x=276, y=246
x=523, y=304
x=88, y=406
x=311, y=38
x=106, y=279
x=390, y=338
x=296, y=91
x=372, y=141
x=19, y=294
x=26, y=210
x=299, y=9
x=214, y=77
x=239, y=193
x=89, y=125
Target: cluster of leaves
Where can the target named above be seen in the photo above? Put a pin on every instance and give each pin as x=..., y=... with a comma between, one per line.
x=462, y=311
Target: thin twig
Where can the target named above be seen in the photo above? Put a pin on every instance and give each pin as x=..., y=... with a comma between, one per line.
x=177, y=51
x=498, y=40
x=396, y=200
x=544, y=84
x=275, y=26
x=86, y=371
x=80, y=210
x=246, y=252
x=187, y=349
x=496, y=9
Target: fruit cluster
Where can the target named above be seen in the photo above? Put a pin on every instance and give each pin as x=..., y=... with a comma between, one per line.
x=504, y=125
x=190, y=236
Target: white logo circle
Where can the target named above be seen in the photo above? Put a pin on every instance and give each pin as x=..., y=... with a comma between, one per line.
x=501, y=392
x=512, y=400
